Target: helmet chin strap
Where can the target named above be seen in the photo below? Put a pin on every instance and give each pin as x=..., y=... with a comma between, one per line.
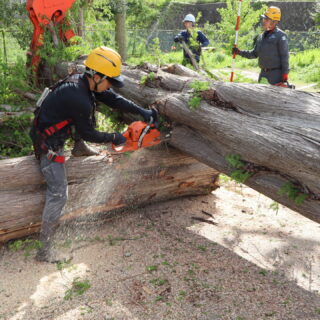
x=92, y=73
x=97, y=83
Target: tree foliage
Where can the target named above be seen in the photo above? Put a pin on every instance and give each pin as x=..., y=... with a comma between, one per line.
x=316, y=15
x=225, y=29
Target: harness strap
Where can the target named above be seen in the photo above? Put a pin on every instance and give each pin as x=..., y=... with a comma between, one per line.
x=55, y=158
x=41, y=144
x=56, y=127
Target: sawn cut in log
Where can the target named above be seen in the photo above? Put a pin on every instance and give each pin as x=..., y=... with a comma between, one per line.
x=99, y=184
x=275, y=131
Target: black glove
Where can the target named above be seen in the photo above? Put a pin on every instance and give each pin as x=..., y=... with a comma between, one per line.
x=235, y=50
x=150, y=116
x=118, y=139
x=179, y=38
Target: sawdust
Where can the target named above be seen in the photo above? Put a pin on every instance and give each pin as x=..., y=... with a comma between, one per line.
x=226, y=256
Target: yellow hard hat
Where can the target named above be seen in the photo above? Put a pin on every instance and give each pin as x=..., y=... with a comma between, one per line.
x=107, y=62
x=273, y=13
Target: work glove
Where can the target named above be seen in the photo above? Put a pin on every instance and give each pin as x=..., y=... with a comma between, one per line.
x=147, y=114
x=118, y=139
x=284, y=77
x=235, y=50
x=179, y=38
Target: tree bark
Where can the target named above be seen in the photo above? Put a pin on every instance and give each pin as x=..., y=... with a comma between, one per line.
x=99, y=184
x=120, y=35
x=275, y=131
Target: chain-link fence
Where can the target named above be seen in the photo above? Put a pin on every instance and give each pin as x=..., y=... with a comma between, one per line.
x=140, y=42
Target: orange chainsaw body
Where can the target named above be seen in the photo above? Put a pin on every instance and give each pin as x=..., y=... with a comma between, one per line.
x=139, y=135
x=285, y=84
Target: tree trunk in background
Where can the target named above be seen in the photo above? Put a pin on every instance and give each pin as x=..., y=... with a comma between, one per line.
x=81, y=25
x=99, y=184
x=120, y=36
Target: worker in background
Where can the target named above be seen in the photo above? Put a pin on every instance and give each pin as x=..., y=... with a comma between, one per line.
x=271, y=49
x=195, y=39
x=72, y=103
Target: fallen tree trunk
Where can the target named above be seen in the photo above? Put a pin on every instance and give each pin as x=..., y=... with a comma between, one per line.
x=99, y=184
x=273, y=132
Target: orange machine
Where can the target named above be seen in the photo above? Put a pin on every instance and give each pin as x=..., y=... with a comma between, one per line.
x=45, y=14
x=139, y=135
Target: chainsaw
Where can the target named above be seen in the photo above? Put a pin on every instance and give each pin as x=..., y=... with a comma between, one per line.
x=139, y=135
x=285, y=84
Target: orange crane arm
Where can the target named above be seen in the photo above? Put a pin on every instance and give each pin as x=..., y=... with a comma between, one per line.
x=43, y=13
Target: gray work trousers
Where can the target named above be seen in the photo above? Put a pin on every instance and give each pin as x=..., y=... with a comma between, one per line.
x=273, y=76
x=56, y=197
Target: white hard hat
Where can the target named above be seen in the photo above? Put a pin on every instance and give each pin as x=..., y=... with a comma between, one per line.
x=189, y=17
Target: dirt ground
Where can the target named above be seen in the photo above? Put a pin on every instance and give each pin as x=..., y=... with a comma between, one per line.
x=231, y=255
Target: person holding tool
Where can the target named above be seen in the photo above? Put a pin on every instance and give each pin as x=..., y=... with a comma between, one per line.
x=71, y=102
x=195, y=39
x=271, y=49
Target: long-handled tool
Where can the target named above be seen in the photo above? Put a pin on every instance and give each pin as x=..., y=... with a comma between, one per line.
x=196, y=65
x=190, y=54
x=236, y=40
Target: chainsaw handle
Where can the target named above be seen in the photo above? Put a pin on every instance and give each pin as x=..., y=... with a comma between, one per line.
x=154, y=118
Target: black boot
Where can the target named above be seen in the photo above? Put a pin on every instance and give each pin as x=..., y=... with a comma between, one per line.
x=48, y=252
x=81, y=149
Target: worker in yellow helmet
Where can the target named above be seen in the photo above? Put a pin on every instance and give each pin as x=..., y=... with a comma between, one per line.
x=71, y=102
x=271, y=49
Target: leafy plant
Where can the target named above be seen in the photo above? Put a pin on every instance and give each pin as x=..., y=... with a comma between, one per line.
x=223, y=31
x=198, y=86
x=194, y=102
x=240, y=175
x=234, y=160
x=27, y=246
x=63, y=264
x=78, y=288
x=14, y=136
x=293, y=193
x=275, y=206
x=144, y=79
x=151, y=268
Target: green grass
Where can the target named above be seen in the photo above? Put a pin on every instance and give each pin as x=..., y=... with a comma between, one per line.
x=305, y=66
x=151, y=268
x=27, y=246
x=78, y=287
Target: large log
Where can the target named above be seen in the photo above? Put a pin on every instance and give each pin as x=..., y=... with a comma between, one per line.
x=99, y=184
x=275, y=131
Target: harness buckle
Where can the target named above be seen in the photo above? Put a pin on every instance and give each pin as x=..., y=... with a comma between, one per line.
x=54, y=157
x=51, y=155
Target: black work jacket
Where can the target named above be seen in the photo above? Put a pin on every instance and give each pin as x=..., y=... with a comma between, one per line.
x=271, y=49
x=74, y=101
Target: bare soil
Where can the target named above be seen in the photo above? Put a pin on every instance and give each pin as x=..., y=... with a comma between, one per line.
x=226, y=256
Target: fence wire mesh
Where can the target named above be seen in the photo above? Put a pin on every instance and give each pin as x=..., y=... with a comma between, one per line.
x=140, y=41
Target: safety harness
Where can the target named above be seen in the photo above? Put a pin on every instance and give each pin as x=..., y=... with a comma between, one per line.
x=39, y=138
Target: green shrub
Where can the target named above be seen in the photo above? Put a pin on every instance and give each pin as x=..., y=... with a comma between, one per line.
x=223, y=32
x=14, y=136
